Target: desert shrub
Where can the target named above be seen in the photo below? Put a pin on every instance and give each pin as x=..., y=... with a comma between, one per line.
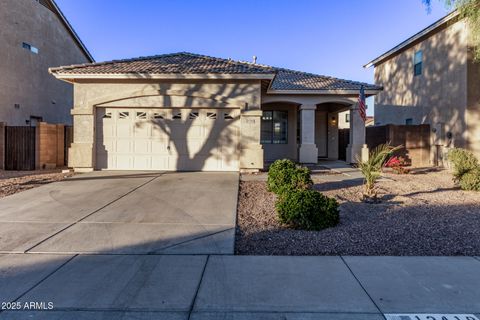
x=284, y=175
x=307, y=209
x=463, y=161
x=471, y=180
x=397, y=164
x=372, y=168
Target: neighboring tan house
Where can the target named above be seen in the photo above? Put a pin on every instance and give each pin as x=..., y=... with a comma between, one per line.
x=34, y=36
x=185, y=111
x=431, y=78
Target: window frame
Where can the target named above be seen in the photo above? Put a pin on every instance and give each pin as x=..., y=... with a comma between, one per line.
x=418, y=63
x=29, y=47
x=272, y=122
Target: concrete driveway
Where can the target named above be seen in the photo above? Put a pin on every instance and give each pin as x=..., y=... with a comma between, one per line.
x=124, y=213
x=111, y=245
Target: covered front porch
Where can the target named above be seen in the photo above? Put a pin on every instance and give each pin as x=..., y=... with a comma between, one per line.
x=305, y=128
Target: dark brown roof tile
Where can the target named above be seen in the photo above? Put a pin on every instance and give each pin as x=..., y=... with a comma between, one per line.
x=189, y=63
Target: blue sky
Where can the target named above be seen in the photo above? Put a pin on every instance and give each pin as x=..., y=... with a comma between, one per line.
x=334, y=38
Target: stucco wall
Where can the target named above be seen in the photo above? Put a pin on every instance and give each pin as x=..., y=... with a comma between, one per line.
x=244, y=95
x=473, y=105
x=438, y=95
x=288, y=150
x=24, y=77
x=342, y=122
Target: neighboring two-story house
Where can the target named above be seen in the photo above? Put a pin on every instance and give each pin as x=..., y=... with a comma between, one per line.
x=431, y=78
x=35, y=35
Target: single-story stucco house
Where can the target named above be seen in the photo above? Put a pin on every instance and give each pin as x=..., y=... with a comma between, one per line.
x=190, y=112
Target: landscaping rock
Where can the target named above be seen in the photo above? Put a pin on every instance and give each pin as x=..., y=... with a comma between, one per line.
x=16, y=181
x=419, y=214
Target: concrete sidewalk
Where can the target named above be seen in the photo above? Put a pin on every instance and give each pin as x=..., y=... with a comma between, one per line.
x=237, y=287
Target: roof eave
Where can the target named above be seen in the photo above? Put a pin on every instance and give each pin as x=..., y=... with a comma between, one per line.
x=167, y=76
x=412, y=39
x=368, y=92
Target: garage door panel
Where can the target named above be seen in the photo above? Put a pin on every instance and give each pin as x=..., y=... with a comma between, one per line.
x=162, y=161
x=105, y=146
x=123, y=146
x=106, y=128
x=229, y=150
x=141, y=161
x=142, y=146
x=123, y=162
x=195, y=132
x=143, y=130
x=123, y=130
x=159, y=147
x=194, y=147
x=230, y=130
x=159, y=133
x=167, y=139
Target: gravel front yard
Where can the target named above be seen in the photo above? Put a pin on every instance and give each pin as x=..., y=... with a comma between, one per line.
x=421, y=214
x=17, y=181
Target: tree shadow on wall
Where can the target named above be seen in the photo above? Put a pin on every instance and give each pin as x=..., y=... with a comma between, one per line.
x=199, y=138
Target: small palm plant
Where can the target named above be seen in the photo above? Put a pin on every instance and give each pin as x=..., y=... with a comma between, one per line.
x=372, y=169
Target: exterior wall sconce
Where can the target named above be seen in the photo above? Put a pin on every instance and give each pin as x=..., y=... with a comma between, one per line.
x=333, y=121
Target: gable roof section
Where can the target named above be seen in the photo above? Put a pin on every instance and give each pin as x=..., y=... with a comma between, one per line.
x=52, y=6
x=427, y=31
x=189, y=65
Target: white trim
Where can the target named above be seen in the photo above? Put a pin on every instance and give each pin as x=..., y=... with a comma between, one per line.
x=413, y=38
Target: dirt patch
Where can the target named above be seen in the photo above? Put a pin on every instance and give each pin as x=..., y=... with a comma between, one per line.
x=421, y=214
x=17, y=181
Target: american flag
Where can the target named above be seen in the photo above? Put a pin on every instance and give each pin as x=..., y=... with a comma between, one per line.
x=362, y=107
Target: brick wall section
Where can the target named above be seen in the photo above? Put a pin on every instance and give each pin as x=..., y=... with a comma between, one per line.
x=2, y=145
x=50, y=145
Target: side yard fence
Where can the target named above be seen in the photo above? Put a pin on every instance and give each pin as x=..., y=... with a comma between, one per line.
x=28, y=148
x=416, y=140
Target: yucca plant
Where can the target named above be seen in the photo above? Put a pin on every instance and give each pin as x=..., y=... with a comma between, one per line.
x=372, y=169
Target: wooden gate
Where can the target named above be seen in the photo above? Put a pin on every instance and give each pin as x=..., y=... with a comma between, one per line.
x=19, y=148
x=343, y=141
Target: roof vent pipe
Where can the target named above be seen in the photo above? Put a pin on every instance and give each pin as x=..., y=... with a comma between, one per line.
x=254, y=60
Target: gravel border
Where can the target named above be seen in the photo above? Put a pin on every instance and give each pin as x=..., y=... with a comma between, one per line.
x=12, y=182
x=421, y=214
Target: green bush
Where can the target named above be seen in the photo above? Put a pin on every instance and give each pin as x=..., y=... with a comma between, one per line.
x=284, y=175
x=307, y=209
x=471, y=180
x=463, y=161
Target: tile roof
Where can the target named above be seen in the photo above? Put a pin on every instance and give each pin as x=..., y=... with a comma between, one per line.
x=189, y=63
x=295, y=80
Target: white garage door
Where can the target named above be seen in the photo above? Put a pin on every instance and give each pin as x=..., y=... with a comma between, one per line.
x=167, y=139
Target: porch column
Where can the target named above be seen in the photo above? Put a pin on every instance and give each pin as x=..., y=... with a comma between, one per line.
x=357, y=147
x=308, y=152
